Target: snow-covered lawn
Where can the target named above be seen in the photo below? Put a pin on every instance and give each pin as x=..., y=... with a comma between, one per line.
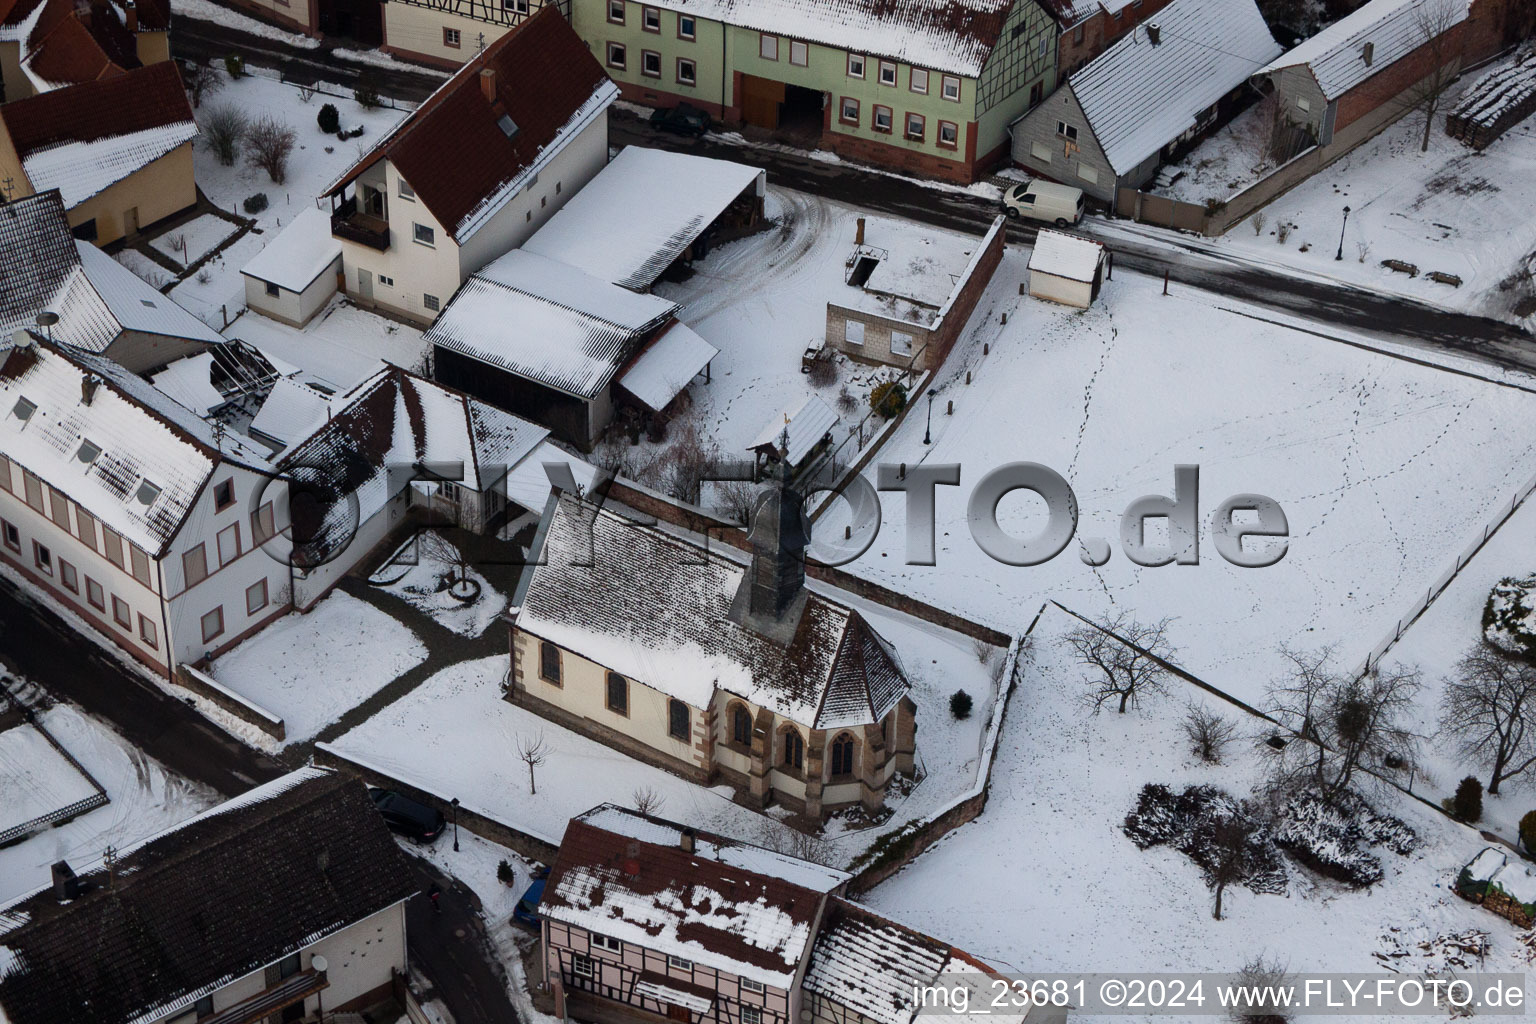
x=191, y=241
x=1223, y=164
x=145, y=798
x=420, y=585
x=343, y=344
x=1045, y=880
x=143, y=266
x=311, y=668
x=35, y=778
x=1386, y=470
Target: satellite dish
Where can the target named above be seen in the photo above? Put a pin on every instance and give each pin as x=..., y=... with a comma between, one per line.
x=318, y=963
x=47, y=318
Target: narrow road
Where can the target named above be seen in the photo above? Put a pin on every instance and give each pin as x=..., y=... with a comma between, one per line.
x=452, y=948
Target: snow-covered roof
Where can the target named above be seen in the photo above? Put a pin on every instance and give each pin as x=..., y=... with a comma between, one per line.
x=656, y=608
x=136, y=304
x=292, y=410
x=667, y=365
x=301, y=252
x=1064, y=255
x=726, y=905
x=189, y=382
x=1138, y=96
x=919, y=270
x=631, y=221
x=1509, y=84
x=872, y=965
x=1393, y=28
x=138, y=453
x=80, y=170
x=807, y=423
x=946, y=35
x=43, y=272
x=528, y=485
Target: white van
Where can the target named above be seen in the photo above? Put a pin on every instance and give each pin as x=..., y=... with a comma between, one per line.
x=1043, y=200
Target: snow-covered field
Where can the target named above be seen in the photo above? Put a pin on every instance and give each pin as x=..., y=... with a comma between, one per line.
x=35, y=778
x=1385, y=470
x=420, y=585
x=145, y=798
x=1046, y=881
x=192, y=241
x=311, y=668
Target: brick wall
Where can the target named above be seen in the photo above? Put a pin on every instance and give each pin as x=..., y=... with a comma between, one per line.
x=1389, y=85
x=897, y=158
x=964, y=303
x=1099, y=32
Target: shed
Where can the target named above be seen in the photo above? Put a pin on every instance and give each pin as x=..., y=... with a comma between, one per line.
x=296, y=274
x=807, y=426
x=1067, y=268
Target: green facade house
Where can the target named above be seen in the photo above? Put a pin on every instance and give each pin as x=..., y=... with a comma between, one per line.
x=927, y=87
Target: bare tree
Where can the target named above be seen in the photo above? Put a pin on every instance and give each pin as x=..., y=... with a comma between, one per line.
x=1348, y=724
x=1236, y=844
x=223, y=129
x=270, y=142
x=1127, y=658
x=533, y=750
x=201, y=81
x=1432, y=36
x=735, y=500
x=1208, y=733
x=1490, y=707
x=686, y=461
x=647, y=800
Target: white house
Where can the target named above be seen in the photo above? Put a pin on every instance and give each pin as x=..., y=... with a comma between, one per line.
x=294, y=275
x=1066, y=268
x=275, y=905
x=474, y=171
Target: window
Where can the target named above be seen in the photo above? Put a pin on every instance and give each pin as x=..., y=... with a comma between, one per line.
x=12, y=536
x=918, y=80
x=23, y=409
x=147, y=632
x=618, y=694
x=650, y=63
x=799, y=53
x=748, y=985
x=679, y=719
x=213, y=623
x=917, y=126
x=60, y=508
x=94, y=595
x=430, y=302
x=1066, y=131
x=686, y=28
x=607, y=942
x=901, y=343
x=114, y=545
x=882, y=122
x=650, y=19
x=261, y=524
x=451, y=37
x=194, y=566
x=794, y=750
x=423, y=234
x=1077, y=34
x=85, y=231
x=138, y=563
x=34, y=489
x=768, y=46
x=121, y=614
x=273, y=289
x=855, y=65
x=616, y=11
x=1302, y=103
x=5, y=473
x=69, y=577
x=887, y=73
x=949, y=134
x=148, y=492
x=1036, y=94
x=223, y=495
x=687, y=74
x=848, y=110
x=951, y=88
x=853, y=332
x=751, y=1015
x=549, y=662
x=741, y=726
x=842, y=754
x=679, y=962
x=617, y=56
x=581, y=966
x=1040, y=151
x=1088, y=174
x=88, y=452
x=289, y=966
x=204, y=1006
x=255, y=597
x=85, y=527
x=515, y=6
x=42, y=557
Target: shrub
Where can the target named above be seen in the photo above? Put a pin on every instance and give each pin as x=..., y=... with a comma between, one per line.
x=1467, y=804
x=1528, y=831
x=234, y=65
x=269, y=144
x=822, y=371
x=202, y=81
x=504, y=873
x=1257, y=222
x=224, y=128
x=846, y=403
x=255, y=203
x=366, y=93
x=960, y=704
x=328, y=119
x=1282, y=232
x=888, y=399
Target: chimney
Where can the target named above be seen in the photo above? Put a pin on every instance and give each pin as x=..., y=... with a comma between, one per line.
x=488, y=84
x=1368, y=53
x=66, y=886
x=131, y=16
x=858, y=238
x=687, y=840
x=88, y=385
x=1154, y=33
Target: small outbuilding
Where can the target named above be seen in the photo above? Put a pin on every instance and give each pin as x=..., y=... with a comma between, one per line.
x=1067, y=268
x=296, y=274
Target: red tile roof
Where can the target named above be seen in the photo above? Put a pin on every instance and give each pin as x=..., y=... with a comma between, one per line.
x=451, y=151
x=148, y=97
x=69, y=54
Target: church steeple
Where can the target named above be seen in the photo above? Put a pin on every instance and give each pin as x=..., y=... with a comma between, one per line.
x=771, y=591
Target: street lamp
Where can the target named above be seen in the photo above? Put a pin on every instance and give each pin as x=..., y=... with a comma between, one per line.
x=455, y=803
x=1340, y=254
x=928, y=433
x=319, y=964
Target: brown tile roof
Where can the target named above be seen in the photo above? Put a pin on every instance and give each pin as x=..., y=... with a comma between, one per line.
x=148, y=97
x=212, y=900
x=69, y=54
x=451, y=150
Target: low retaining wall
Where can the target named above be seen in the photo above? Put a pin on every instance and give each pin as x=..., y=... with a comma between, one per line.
x=205, y=686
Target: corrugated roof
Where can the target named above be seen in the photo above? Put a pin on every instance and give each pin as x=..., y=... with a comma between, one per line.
x=136, y=305
x=1138, y=97
x=1394, y=28
x=807, y=424
x=1064, y=255
x=667, y=365
x=630, y=222
x=450, y=149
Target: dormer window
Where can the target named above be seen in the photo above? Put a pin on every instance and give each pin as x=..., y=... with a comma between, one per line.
x=24, y=409
x=148, y=492
x=88, y=452
x=507, y=125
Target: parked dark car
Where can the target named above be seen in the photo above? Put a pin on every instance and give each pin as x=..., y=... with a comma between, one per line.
x=408, y=817
x=683, y=119
x=527, y=909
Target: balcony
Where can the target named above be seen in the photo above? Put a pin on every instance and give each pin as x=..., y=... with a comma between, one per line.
x=348, y=222
x=285, y=993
